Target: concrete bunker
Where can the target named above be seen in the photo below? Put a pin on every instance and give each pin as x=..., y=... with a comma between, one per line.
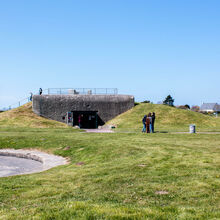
x=86, y=111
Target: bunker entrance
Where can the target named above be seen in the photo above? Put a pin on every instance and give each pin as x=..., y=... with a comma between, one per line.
x=85, y=119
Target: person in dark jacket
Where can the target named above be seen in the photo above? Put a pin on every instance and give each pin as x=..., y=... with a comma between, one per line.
x=144, y=123
x=153, y=120
x=148, y=123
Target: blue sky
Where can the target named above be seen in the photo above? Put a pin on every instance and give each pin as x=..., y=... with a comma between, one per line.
x=147, y=48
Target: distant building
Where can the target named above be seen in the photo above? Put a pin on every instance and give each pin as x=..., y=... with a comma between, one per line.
x=210, y=107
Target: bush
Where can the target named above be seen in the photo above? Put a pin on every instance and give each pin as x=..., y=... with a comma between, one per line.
x=187, y=106
x=183, y=106
x=146, y=101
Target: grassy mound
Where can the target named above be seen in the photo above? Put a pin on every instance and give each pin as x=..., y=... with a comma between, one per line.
x=167, y=119
x=24, y=117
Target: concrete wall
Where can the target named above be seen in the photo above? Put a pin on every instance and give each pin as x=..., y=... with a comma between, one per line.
x=56, y=106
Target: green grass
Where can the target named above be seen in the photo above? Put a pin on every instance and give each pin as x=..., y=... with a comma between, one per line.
x=24, y=117
x=167, y=119
x=119, y=178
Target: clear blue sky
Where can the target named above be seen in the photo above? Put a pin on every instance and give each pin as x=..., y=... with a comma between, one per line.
x=147, y=48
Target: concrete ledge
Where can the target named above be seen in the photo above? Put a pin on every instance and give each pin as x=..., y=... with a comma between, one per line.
x=48, y=160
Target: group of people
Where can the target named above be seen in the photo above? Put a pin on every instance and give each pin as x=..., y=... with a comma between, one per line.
x=148, y=123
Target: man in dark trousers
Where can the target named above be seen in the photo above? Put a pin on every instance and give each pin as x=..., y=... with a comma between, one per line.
x=144, y=123
x=153, y=119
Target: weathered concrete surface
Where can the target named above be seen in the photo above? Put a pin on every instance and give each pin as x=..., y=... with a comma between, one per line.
x=56, y=106
x=10, y=166
x=47, y=161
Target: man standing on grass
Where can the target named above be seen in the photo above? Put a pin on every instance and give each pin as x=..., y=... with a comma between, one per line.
x=144, y=123
x=148, y=123
x=153, y=117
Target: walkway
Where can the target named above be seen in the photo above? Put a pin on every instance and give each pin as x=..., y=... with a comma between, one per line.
x=102, y=130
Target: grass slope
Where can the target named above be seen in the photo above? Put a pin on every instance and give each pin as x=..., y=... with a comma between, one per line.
x=24, y=117
x=167, y=119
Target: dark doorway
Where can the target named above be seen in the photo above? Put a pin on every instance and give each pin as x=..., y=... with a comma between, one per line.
x=85, y=119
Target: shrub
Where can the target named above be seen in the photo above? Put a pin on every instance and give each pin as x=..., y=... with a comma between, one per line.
x=182, y=107
x=146, y=101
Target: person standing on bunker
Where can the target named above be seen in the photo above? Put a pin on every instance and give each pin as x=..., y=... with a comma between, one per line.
x=148, y=123
x=31, y=96
x=153, y=120
x=40, y=91
x=144, y=123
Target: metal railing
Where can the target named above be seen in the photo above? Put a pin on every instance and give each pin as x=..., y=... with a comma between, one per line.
x=66, y=91
x=22, y=101
x=17, y=104
x=82, y=91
